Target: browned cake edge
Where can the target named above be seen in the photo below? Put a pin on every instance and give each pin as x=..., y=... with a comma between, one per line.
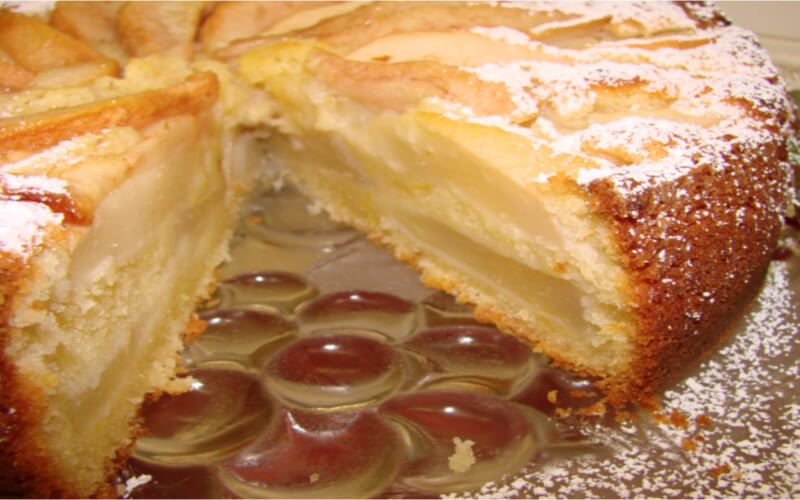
x=25, y=467
x=697, y=248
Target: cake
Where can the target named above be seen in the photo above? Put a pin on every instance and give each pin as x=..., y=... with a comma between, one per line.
x=607, y=182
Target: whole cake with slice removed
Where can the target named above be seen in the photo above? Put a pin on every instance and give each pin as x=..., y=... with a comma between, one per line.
x=608, y=182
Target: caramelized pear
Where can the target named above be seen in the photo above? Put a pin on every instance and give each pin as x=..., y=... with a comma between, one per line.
x=36, y=46
x=147, y=28
x=196, y=93
x=231, y=21
x=92, y=22
x=403, y=85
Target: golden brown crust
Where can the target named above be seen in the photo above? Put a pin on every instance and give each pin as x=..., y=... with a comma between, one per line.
x=147, y=28
x=230, y=21
x=703, y=14
x=73, y=211
x=697, y=248
x=401, y=86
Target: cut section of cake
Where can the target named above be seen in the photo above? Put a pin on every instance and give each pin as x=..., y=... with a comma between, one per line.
x=115, y=210
x=113, y=218
x=608, y=183
x=119, y=192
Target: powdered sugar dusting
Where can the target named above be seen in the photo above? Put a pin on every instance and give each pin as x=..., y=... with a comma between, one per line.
x=503, y=33
x=740, y=415
x=23, y=225
x=33, y=184
x=651, y=151
x=635, y=66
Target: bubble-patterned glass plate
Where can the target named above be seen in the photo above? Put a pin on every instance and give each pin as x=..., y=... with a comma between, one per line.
x=328, y=370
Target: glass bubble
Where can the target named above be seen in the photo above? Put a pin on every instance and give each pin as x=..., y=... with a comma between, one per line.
x=460, y=440
x=281, y=291
x=386, y=313
x=327, y=371
x=224, y=411
x=235, y=334
x=441, y=308
x=474, y=350
x=317, y=455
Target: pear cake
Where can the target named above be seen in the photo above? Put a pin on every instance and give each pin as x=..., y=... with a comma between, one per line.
x=605, y=181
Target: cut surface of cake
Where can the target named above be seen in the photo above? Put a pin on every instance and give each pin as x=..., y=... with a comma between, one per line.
x=607, y=182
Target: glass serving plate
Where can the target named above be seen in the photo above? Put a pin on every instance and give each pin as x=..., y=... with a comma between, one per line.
x=329, y=370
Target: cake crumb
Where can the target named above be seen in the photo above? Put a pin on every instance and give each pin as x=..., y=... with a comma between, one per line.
x=675, y=419
x=134, y=482
x=688, y=444
x=314, y=208
x=254, y=219
x=719, y=470
x=679, y=419
x=623, y=416
x=563, y=412
x=463, y=458
x=580, y=393
x=552, y=396
x=313, y=478
x=703, y=420
x=596, y=410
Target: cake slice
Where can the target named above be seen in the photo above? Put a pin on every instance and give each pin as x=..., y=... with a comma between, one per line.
x=608, y=183
x=113, y=217
x=110, y=233
x=119, y=192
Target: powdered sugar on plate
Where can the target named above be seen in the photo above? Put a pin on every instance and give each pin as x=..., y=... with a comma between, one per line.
x=731, y=429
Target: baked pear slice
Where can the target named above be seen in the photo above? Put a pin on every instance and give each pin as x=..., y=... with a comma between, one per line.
x=54, y=57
